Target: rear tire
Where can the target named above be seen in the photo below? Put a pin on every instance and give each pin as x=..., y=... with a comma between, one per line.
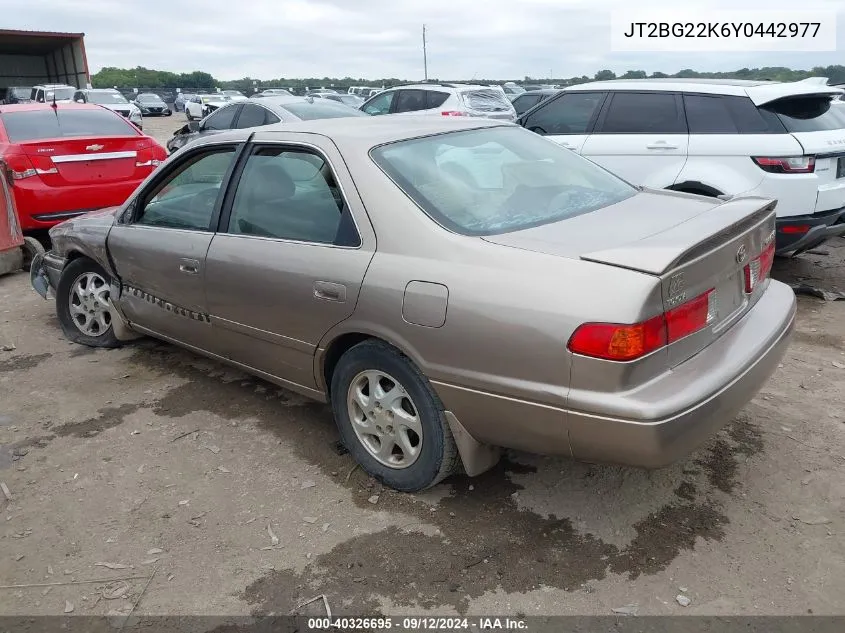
x=399, y=434
x=188, y=115
x=82, y=304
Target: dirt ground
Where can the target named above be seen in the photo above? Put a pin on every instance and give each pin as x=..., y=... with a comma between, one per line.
x=150, y=462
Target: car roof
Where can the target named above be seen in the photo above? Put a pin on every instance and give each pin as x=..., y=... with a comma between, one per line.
x=29, y=107
x=359, y=133
x=760, y=92
x=52, y=86
x=436, y=86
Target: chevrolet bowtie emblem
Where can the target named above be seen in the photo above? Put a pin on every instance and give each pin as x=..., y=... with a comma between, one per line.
x=94, y=148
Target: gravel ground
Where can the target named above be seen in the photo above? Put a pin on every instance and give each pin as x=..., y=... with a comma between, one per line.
x=121, y=463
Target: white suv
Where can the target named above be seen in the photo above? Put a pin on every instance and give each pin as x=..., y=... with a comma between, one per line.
x=715, y=137
x=440, y=99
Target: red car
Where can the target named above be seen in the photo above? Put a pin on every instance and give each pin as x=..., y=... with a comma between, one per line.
x=67, y=159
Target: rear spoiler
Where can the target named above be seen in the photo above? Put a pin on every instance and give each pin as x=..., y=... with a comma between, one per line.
x=811, y=87
x=664, y=251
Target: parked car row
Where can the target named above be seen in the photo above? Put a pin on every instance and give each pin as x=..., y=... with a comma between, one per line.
x=654, y=209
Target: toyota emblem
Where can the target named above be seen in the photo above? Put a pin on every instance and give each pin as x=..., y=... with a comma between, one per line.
x=740, y=254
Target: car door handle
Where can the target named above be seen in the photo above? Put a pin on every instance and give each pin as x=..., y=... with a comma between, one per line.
x=330, y=291
x=661, y=145
x=189, y=266
x=568, y=146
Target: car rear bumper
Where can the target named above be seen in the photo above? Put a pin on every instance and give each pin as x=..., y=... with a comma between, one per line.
x=42, y=207
x=664, y=420
x=799, y=233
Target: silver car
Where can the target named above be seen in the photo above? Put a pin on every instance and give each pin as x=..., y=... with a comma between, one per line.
x=448, y=287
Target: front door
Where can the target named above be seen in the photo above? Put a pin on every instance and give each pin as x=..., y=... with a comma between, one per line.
x=159, y=251
x=567, y=119
x=288, y=260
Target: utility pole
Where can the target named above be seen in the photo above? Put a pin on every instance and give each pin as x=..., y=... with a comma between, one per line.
x=425, y=56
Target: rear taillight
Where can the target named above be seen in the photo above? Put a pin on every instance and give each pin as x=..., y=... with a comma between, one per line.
x=19, y=168
x=622, y=342
x=453, y=113
x=795, y=228
x=759, y=268
x=786, y=165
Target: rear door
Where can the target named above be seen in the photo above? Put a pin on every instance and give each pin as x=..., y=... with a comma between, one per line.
x=159, y=247
x=641, y=137
x=567, y=119
x=819, y=126
x=289, y=257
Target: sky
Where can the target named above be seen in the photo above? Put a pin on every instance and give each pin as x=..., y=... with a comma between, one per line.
x=490, y=39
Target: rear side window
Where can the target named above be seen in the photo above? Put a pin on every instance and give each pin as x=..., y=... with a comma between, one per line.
x=486, y=100
x=43, y=124
x=410, y=101
x=435, y=99
x=571, y=113
x=643, y=113
x=714, y=114
x=808, y=114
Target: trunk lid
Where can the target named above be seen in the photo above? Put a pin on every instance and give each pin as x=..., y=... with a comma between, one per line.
x=692, y=244
x=75, y=161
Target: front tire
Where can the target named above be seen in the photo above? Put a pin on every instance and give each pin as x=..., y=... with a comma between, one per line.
x=82, y=304
x=390, y=419
x=188, y=115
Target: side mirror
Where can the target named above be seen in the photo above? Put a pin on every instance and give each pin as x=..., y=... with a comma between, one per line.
x=193, y=126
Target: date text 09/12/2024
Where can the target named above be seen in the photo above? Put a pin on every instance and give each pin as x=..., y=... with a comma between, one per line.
x=418, y=624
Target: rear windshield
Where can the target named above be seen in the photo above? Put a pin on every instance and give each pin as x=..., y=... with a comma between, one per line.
x=43, y=124
x=106, y=97
x=20, y=93
x=321, y=109
x=486, y=100
x=497, y=180
x=808, y=114
x=149, y=98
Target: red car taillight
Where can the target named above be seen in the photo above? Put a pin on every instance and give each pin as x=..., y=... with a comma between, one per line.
x=19, y=167
x=759, y=268
x=786, y=165
x=622, y=342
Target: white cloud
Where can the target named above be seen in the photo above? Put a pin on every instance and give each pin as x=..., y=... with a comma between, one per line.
x=382, y=38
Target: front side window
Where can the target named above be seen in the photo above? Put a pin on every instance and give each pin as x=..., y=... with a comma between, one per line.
x=255, y=116
x=221, y=119
x=380, y=104
x=186, y=198
x=290, y=194
x=571, y=113
x=643, y=113
x=497, y=180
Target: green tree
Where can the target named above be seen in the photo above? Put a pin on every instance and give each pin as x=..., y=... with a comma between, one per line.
x=604, y=75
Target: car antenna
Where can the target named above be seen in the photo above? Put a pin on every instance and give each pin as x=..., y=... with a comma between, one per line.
x=54, y=105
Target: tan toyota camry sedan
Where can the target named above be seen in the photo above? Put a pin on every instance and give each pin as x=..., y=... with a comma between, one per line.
x=451, y=287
